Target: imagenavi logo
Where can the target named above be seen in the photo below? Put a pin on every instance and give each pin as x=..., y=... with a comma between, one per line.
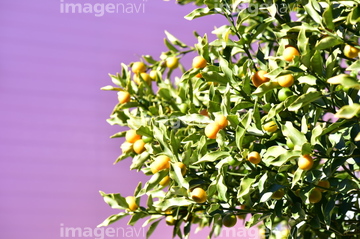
x=99, y=9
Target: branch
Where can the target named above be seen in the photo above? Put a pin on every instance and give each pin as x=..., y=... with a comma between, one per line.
x=350, y=173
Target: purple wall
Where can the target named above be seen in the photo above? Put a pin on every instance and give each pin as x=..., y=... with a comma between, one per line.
x=55, y=151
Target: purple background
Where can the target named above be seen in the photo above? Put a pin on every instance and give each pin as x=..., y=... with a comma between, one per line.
x=55, y=148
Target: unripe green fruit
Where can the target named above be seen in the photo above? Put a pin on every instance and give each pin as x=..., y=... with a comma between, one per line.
x=232, y=161
x=183, y=108
x=229, y=220
x=147, y=139
x=278, y=194
x=315, y=196
x=281, y=178
x=284, y=93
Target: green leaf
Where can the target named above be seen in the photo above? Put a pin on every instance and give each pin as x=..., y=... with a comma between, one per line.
x=246, y=120
x=331, y=63
x=354, y=66
x=255, y=219
x=137, y=191
x=112, y=219
x=159, y=135
x=177, y=176
x=316, y=132
x=273, y=152
x=213, y=207
x=203, y=46
x=262, y=181
x=357, y=138
x=328, y=210
x=221, y=188
x=303, y=45
x=128, y=105
x=138, y=161
x=295, y=135
x=272, y=10
x=122, y=157
x=328, y=42
x=306, y=148
x=225, y=67
x=199, y=12
x=213, y=156
x=245, y=186
x=110, y=87
x=167, y=203
x=150, y=202
x=328, y=17
x=348, y=111
x=149, y=59
x=120, y=118
x=136, y=217
x=153, y=181
x=304, y=99
x=152, y=228
x=277, y=156
x=118, y=135
x=216, y=226
x=285, y=157
x=312, y=12
x=116, y=79
x=280, y=107
x=170, y=46
x=317, y=63
x=213, y=76
x=239, y=136
x=195, y=120
x=274, y=73
x=308, y=79
x=152, y=219
x=297, y=176
x=333, y=127
x=266, y=196
x=345, y=80
x=354, y=16
x=261, y=27
x=114, y=200
x=174, y=40
x=266, y=87
x=165, y=93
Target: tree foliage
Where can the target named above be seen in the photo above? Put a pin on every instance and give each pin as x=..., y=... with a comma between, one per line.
x=317, y=120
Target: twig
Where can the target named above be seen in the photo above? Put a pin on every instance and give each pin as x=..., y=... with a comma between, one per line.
x=350, y=173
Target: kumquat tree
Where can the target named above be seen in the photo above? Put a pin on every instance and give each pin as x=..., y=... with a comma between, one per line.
x=265, y=123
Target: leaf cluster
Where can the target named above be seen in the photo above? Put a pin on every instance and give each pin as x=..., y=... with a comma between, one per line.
x=320, y=118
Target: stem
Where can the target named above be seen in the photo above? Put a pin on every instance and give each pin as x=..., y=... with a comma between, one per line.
x=253, y=168
x=338, y=157
x=267, y=168
x=141, y=104
x=188, y=51
x=231, y=21
x=332, y=229
x=246, y=211
x=236, y=174
x=350, y=173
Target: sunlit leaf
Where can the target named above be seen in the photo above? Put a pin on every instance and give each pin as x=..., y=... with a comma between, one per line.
x=348, y=111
